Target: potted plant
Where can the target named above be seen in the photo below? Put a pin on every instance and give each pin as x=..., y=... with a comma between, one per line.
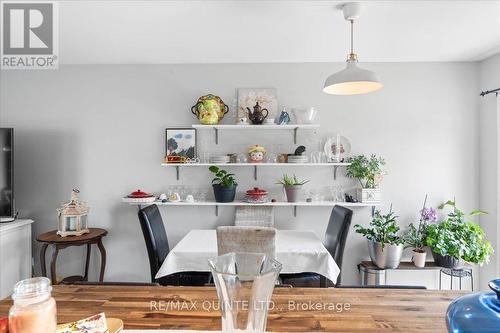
x=384, y=244
x=292, y=187
x=369, y=173
x=454, y=240
x=224, y=185
x=415, y=236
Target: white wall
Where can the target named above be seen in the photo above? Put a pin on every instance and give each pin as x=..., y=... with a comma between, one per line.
x=488, y=162
x=101, y=128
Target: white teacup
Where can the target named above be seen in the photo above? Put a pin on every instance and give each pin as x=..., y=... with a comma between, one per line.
x=243, y=120
x=270, y=121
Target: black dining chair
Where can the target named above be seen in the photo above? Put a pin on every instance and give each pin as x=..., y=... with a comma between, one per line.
x=335, y=239
x=155, y=236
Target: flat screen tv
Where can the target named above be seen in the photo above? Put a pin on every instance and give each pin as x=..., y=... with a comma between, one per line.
x=7, y=209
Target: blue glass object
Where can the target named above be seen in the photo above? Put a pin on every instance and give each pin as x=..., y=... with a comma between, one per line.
x=476, y=313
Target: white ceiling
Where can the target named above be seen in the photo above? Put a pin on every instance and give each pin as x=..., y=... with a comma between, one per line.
x=275, y=31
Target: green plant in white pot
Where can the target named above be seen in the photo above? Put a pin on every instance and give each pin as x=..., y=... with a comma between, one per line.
x=369, y=172
x=455, y=241
x=292, y=187
x=415, y=236
x=385, y=246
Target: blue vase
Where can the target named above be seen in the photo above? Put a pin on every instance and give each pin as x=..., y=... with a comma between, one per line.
x=476, y=313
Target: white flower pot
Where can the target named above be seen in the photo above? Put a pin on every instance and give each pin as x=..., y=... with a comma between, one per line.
x=368, y=195
x=419, y=258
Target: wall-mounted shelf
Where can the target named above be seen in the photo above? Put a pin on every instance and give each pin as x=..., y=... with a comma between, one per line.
x=267, y=204
x=256, y=165
x=264, y=127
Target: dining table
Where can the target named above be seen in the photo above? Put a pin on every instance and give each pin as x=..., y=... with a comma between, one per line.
x=165, y=308
x=298, y=252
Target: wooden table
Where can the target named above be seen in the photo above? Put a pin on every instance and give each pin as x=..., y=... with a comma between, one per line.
x=371, y=310
x=58, y=243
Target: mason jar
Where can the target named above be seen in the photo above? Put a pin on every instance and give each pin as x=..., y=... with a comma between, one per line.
x=34, y=308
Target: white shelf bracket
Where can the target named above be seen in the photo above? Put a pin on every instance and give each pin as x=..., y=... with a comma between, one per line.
x=295, y=135
x=255, y=172
x=177, y=171
x=294, y=211
x=216, y=210
x=335, y=172
x=216, y=135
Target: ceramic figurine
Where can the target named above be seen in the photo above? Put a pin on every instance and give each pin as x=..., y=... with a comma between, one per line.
x=174, y=197
x=257, y=116
x=209, y=109
x=256, y=154
x=284, y=117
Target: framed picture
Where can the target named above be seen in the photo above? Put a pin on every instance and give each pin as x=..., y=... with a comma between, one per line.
x=180, y=143
x=267, y=98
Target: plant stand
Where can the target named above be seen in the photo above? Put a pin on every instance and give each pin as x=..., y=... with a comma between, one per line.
x=459, y=273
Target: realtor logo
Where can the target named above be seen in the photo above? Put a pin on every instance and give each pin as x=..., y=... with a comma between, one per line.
x=29, y=38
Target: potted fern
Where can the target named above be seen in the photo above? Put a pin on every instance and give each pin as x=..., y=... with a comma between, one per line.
x=292, y=187
x=369, y=172
x=224, y=184
x=385, y=246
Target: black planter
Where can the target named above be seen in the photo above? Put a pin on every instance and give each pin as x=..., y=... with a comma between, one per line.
x=447, y=261
x=224, y=194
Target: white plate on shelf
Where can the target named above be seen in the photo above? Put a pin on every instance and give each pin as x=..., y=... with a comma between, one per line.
x=330, y=145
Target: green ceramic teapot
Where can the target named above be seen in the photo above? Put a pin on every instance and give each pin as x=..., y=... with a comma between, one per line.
x=209, y=109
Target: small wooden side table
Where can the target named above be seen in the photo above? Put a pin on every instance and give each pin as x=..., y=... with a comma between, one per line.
x=58, y=243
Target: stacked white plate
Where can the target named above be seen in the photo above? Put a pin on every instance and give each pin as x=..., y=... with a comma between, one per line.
x=222, y=159
x=297, y=159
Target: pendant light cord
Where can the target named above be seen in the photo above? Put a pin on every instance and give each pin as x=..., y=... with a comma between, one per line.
x=352, y=36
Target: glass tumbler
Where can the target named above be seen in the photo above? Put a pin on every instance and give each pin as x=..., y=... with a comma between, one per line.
x=34, y=309
x=245, y=283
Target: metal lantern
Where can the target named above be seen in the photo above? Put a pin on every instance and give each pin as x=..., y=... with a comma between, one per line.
x=73, y=217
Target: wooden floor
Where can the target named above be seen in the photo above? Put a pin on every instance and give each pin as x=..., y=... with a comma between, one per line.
x=370, y=310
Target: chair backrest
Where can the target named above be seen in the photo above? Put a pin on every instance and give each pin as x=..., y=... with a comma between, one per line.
x=155, y=237
x=336, y=234
x=246, y=239
x=254, y=216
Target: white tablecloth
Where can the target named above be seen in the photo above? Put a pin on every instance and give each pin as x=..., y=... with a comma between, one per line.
x=297, y=251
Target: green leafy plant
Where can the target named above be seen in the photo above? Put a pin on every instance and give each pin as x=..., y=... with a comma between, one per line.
x=458, y=238
x=368, y=171
x=383, y=229
x=415, y=237
x=291, y=181
x=222, y=177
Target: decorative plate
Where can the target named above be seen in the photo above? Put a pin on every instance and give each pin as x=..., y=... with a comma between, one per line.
x=333, y=153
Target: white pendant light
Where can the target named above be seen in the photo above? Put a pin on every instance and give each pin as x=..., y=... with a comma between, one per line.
x=353, y=79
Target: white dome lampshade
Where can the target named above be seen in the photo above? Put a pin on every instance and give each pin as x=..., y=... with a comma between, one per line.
x=352, y=80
